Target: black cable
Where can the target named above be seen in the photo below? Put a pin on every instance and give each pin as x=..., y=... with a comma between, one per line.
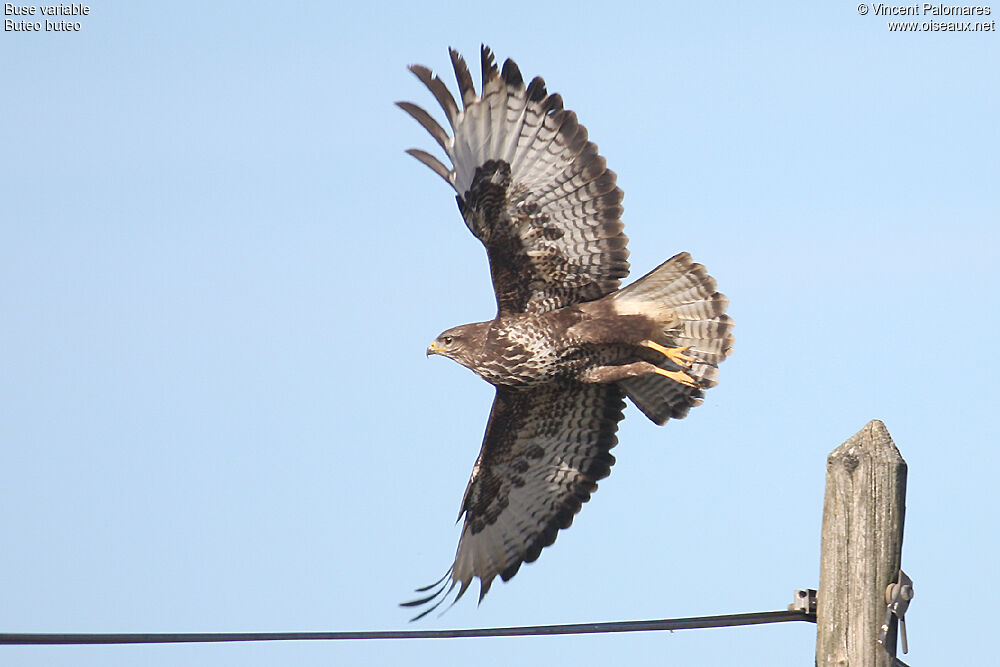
x=529, y=630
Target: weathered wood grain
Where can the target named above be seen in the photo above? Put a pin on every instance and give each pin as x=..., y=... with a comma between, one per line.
x=862, y=544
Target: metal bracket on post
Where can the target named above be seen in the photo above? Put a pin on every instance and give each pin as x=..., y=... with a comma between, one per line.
x=804, y=600
x=897, y=598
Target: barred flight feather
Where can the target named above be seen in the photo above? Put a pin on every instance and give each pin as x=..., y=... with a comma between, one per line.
x=557, y=181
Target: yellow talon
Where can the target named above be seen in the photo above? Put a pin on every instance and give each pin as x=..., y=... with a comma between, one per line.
x=674, y=354
x=678, y=376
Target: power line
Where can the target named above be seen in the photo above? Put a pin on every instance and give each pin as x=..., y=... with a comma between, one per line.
x=691, y=623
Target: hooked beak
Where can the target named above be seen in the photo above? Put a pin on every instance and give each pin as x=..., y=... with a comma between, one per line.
x=434, y=348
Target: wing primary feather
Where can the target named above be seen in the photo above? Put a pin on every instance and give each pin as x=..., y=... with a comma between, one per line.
x=445, y=610
x=436, y=166
x=465, y=86
x=512, y=75
x=423, y=589
x=443, y=587
x=536, y=89
x=494, y=94
x=553, y=103
x=420, y=601
x=515, y=111
x=484, y=588
x=444, y=596
x=439, y=91
x=487, y=63
x=461, y=591
x=428, y=123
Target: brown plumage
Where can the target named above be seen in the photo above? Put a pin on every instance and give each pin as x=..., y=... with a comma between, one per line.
x=567, y=346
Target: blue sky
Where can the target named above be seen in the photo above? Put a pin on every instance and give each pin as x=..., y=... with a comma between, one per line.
x=219, y=273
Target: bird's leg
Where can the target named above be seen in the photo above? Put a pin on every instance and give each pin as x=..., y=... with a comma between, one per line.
x=677, y=356
x=677, y=376
x=616, y=373
x=674, y=354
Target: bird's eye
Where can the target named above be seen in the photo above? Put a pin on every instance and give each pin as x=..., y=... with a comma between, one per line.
x=447, y=340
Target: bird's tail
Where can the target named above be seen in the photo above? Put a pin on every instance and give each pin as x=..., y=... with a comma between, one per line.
x=681, y=296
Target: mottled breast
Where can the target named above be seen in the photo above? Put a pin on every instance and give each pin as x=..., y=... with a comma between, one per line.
x=521, y=350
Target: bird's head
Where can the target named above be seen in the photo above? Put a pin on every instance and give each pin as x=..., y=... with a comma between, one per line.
x=458, y=343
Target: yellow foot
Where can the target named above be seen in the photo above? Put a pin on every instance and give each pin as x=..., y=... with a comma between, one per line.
x=678, y=376
x=674, y=354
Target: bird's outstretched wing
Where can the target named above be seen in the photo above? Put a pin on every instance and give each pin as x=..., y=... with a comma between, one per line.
x=544, y=450
x=530, y=186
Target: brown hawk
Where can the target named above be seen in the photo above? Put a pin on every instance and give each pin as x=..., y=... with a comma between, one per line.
x=567, y=345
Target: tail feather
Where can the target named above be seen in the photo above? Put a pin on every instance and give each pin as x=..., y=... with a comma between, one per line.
x=681, y=296
x=704, y=310
x=660, y=398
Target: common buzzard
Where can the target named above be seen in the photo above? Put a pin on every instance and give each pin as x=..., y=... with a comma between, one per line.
x=567, y=345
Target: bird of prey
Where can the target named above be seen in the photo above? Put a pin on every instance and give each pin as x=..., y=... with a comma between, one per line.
x=567, y=345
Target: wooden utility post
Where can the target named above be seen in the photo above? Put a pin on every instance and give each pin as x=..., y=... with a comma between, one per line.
x=862, y=545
